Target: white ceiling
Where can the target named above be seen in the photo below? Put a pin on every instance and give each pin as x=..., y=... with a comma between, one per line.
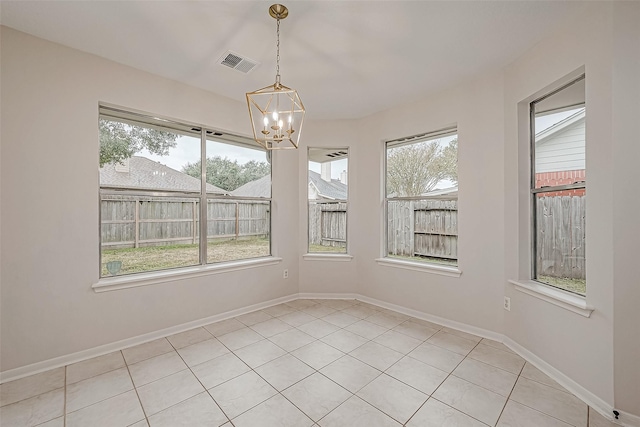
x=347, y=59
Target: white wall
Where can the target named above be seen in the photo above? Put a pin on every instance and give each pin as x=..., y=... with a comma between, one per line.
x=579, y=347
x=49, y=246
x=323, y=276
x=475, y=298
x=626, y=233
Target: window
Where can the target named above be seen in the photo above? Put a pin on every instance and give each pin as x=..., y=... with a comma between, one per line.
x=327, y=189
x=422, y=198
x=558, y=187
x=155, y=188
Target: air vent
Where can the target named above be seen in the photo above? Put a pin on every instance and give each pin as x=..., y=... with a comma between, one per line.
x=238, y=62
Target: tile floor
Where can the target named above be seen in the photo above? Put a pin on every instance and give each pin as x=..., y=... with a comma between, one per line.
x=305, y=363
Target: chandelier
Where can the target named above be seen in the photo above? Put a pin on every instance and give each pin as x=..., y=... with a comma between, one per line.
x=276, y=111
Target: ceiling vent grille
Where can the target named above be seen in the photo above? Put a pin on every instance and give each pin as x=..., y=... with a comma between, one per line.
x=238, y=62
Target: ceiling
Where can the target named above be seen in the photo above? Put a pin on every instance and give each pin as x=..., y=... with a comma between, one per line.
x=347, y=59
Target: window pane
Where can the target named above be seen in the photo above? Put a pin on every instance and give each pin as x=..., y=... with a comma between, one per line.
x=328, y=193
x=145, y=158
x=237, y=228
x=140, y=231
x=417, y=168
x=423, y=230
x=422, y=198
x=560, y=137
x=560, y=239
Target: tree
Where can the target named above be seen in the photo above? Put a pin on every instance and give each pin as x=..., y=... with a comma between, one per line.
x=416, y=169
x=228, y=174
x=120, y=141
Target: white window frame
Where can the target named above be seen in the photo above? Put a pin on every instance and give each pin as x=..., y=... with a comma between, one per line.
x=108, y=283
x=329, y=256
x=524, y=283
x=385, y=259
x=535, y=191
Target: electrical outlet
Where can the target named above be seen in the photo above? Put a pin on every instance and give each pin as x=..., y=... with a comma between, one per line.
x=507, y=303
x=285, y=274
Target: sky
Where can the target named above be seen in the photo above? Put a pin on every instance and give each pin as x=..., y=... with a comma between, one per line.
x=546, y=121
x=187, y=150
x=443, y=142
x=337, y=167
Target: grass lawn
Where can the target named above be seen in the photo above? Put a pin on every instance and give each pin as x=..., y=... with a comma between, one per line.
x=152, y=258
x=330, y=249
x=578, y=286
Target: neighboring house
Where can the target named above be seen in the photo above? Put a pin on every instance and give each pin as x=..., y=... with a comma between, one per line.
x=141, y=173
x=260, y=187
x=318, y=188
x=450, y=193
x=560, y=154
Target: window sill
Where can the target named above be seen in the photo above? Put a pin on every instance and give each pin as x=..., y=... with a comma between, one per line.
x=415, y=266
x=557, y=297
x=327, y=257
x=152, y=278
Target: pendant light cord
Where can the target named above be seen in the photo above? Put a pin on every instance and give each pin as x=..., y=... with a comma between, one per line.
x=278, y=53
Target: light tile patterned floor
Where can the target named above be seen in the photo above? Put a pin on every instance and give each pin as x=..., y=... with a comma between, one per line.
x=325, y=363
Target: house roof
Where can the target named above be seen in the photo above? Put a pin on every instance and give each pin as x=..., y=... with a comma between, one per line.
x=545, y=135
x=258, y=188
x=443, y=193
x=151, y=175
x=335, y=189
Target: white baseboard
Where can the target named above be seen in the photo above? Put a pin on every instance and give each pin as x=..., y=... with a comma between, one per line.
x=598, y=404
x=628, y=419
x=484, y=333
x=409, y=312
x=45, y=365
x=317, y=295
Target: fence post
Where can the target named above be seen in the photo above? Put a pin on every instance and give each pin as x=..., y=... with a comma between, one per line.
x=137, y=225
x=237, y=220
x=412, y=229
x=194, y=226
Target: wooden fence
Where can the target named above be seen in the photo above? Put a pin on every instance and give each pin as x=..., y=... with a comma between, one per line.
x=561, y=236
x=427, y=228
x=328, y=223
x=129, y=221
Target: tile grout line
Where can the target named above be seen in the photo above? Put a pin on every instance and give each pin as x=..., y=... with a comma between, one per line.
x=292, y=355
x=510, y=393
x=64, y=406
x=443, y=381
x=315, y=370
x=196, y=377
x=144, y=412
x=348, y=354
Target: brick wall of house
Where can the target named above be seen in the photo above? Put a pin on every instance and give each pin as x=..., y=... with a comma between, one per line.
x=550, y=179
